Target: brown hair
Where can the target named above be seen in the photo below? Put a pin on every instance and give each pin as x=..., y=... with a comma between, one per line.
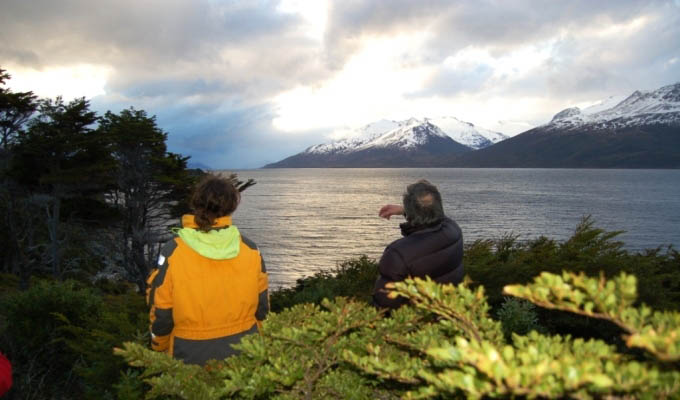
x=213, y=197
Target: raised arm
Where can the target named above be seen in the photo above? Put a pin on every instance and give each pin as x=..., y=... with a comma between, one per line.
x=389, y=210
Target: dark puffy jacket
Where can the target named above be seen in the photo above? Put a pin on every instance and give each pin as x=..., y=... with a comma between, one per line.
x=435, y=251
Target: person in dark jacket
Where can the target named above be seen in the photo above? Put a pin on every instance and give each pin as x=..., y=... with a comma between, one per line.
x=432, y=244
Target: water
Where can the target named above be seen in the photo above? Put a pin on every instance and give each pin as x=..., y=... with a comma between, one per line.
x=307, y=220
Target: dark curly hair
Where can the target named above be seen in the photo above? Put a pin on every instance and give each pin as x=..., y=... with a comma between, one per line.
x=213, y=197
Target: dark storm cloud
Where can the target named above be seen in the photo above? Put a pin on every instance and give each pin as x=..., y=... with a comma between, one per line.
x=157, y=30
x=234, y=137
x=205, y=68
x=235, y=42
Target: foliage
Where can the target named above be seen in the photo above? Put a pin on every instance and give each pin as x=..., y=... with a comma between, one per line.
x=59, y=336
x=518, y=316
x=299, y=359
x=350, y=278
x=590, y=250
x=657, y=332
x=658, y=274
x=61, y=153
x=443, y=344
x=24, y=233
x=15, y=111
x=151, y=186
x=60, y=158
x=32, y=340
x=57, y=169
x=123, y=317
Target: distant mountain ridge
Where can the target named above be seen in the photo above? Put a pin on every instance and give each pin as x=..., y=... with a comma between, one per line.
x=641, y=130
x=661, y=106
x=410, y=143
x=638, y=131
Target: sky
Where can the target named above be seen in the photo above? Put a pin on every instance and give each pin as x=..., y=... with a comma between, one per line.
x=239, y=84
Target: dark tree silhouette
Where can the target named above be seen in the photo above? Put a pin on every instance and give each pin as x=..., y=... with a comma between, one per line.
x=60, y=157
x=151, y=187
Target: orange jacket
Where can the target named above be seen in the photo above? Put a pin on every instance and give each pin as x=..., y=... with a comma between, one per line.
x=209, y=290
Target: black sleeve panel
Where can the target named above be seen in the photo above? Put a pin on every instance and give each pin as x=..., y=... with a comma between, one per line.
x=262, y=266
x=163, y=324
x=166, y=252
x=262, y=306
x=263, y=298
x=248, y=242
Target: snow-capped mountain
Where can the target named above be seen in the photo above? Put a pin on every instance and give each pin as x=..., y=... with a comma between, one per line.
x=357, y=138
x=406, y=134
x=638, y=131
x=659, y=106
x=467, y=133
x=405, y=143
x=409, y=134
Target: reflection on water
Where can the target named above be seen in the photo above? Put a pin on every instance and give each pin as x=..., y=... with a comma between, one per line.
x=306, y=220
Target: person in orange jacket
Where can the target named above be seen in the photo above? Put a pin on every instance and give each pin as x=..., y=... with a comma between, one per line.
x=210, y=288
x=5, y=375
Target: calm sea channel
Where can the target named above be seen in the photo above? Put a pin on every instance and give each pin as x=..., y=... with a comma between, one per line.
x=307, y=220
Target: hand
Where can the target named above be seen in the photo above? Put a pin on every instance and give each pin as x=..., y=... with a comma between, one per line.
x=389, y=210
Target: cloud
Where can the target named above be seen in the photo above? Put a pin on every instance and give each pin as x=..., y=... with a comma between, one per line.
x=591, y=40
x=495, y=24
x=151, y=42
x=229, y=137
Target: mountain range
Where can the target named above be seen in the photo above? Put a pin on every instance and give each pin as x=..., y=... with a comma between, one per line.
x=410, y=143
x=638, y=131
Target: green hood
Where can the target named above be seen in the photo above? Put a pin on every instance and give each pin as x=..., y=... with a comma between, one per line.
x=217, y=244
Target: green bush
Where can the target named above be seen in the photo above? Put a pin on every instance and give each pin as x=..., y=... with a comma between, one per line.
x=351, y=278
x=60, y=337
x=443, y=345
x=497, y=263
x=518, y=316
x=42, y=360
x=123, y=318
